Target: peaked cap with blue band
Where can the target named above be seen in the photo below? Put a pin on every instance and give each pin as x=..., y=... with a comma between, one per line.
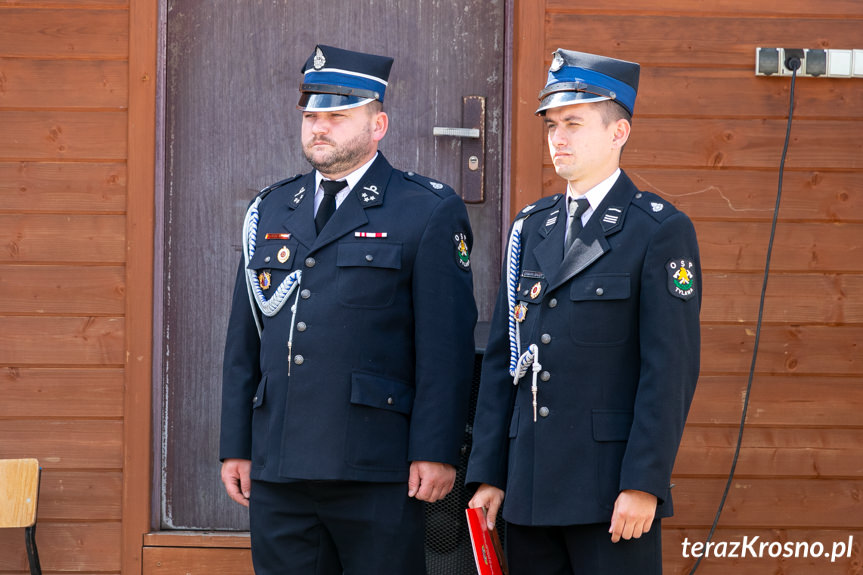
x=579, y=78
x=336, y=79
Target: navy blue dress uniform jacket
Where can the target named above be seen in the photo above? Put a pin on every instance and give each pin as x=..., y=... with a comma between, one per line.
x=380, y=366
x=618, y=343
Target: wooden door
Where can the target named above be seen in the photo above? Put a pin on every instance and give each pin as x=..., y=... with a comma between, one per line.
x=232, y=73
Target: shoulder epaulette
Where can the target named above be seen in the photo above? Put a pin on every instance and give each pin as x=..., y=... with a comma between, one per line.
x=433, y=185
x=538, y=206
x=656, y=206
x=277, y=185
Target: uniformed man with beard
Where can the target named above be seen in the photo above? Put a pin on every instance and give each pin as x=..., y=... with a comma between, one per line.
x=349, y=351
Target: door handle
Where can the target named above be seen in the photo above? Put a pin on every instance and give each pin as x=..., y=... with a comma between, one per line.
x=472, y=148
x=456, y=132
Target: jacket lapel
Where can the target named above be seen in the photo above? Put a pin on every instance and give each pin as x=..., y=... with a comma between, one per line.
x=300, y=219
x=591, y=244
x=549, y=251
x=351, y=214
x=588, y=247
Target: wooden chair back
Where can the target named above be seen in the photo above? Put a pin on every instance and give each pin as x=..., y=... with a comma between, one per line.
x=19, y=492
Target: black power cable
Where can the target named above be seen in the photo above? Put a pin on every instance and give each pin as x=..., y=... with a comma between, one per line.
x=793, y=64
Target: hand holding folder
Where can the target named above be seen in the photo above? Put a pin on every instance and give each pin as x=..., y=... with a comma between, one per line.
x=487, y=550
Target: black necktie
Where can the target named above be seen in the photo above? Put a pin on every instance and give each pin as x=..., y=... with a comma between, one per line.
x=328, y=203
x=576, y=209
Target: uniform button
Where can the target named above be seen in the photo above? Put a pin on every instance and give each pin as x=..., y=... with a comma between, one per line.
x=255, y=399
x=301, y=326
x=543, y=412
x=638, y=195
x=369, y=257
x=545, y=376
x=410, y=173
x=390, y=400
x=298, y=359
x=310, y=262
x=600, y=291
x=552, y=302
x=267, y=260
x=545, y=338
x=305, y=294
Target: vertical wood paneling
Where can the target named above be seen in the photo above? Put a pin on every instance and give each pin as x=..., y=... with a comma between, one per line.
x=140, y=224
x=528, y=79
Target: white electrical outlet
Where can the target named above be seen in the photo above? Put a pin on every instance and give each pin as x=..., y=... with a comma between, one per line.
x=815, y=63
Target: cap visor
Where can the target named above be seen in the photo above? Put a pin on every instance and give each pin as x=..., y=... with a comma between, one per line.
x=311, y=102
x=559, y=99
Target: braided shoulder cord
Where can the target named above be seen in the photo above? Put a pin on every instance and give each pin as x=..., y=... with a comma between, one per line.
x=269, y=307
x=513, y=262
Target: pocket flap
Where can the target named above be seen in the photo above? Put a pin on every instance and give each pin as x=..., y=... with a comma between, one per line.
x=273, y=255
x=513, y=423
x=600, y=287
x=370, y=254
x=258, y=400
x=611, y=424
x=382, y=392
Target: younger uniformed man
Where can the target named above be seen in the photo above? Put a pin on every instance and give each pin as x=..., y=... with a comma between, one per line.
x=597, y=319
x=349, y=351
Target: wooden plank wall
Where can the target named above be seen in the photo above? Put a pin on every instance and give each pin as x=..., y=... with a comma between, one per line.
x=708, y=136
x=66, y=269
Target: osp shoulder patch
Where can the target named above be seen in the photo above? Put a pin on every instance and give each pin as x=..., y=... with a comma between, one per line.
x=462, y=255
x=681, y=278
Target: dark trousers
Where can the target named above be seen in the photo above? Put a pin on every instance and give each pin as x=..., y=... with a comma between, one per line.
x=581, y=550
x=335, y=528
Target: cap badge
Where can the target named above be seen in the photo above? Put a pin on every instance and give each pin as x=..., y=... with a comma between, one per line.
x=283, y=254
x=556, y=62
x=319, y=59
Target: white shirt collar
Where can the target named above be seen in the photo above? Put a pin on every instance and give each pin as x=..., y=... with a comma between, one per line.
x=597, y=193
x=352, y=179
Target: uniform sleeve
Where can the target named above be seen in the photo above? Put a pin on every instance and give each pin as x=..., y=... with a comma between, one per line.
x=444, y=318
x=489, y=452
x=669, y=333
x=240, y=375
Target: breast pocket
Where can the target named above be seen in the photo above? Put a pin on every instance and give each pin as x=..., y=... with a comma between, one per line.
x=603, y=310
x=368, y=273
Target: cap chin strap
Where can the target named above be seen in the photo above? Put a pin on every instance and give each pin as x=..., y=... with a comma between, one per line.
x=340, y=91
x=335, y=108
x=577, y=87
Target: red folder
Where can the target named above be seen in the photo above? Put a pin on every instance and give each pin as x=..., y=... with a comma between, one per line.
x=487, y=551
